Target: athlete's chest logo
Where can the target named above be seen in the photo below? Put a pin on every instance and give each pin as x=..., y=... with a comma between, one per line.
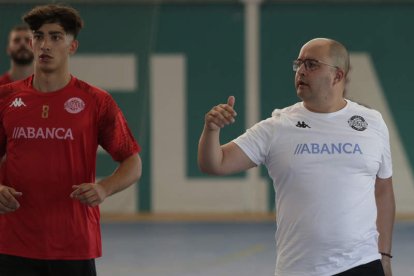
x=341, y=148
x=74, y=105
x=18, y=102
x=302, y=125
x=358, y=123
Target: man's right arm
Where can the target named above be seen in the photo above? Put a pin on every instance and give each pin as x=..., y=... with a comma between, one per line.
x=217, y=159
x=8, y=195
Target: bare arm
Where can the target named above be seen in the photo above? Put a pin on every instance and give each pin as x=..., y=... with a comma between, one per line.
x=214, y=158
x=384, y=196
x=128, y=172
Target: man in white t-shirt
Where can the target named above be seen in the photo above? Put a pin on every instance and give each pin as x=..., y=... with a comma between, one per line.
x=330, y=162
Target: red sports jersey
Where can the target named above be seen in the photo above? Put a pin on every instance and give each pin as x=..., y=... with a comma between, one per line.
x=51, y=141
x=5, y=78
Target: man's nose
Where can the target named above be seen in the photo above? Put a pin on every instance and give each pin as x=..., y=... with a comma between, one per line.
x=301, y=69
x=45, y=45
x=26, y=41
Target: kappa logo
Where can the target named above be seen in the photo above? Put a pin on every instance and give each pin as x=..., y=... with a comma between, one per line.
x=302, y=125
x=18, y=102
x=74, y=105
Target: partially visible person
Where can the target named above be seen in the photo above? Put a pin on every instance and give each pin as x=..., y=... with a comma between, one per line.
x=20, y=53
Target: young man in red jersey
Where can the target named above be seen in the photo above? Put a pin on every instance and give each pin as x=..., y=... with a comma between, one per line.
x=20, y=53
x=50, y=127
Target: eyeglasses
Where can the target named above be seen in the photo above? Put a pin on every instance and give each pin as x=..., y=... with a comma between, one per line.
x=310, y=64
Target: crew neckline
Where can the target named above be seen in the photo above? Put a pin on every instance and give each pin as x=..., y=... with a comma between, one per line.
x=326, y=115
x=70, y=83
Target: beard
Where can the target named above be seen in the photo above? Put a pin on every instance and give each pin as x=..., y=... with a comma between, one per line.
x=22, y=56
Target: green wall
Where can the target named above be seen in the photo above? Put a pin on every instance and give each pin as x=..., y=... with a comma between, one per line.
x=212, y=39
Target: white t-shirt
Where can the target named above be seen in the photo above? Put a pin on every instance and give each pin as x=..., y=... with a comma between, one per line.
x=323, y=167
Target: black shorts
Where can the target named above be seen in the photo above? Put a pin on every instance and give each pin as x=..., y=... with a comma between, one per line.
x=370, y=269
x=19, y=266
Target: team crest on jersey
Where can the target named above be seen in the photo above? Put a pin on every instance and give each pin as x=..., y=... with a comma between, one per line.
x=358, y=123
x=74, y=105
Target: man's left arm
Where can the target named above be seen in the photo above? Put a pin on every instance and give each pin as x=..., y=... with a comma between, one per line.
x=93, y=194
x=384, y=196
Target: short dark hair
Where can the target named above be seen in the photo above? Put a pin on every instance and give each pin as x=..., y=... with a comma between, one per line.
x=65, y=16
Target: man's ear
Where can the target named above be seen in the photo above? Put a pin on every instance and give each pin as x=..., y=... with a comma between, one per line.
x=73, y=46
x=339, y=76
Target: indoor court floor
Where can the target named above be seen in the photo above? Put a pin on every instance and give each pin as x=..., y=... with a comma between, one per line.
x=210, y=249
